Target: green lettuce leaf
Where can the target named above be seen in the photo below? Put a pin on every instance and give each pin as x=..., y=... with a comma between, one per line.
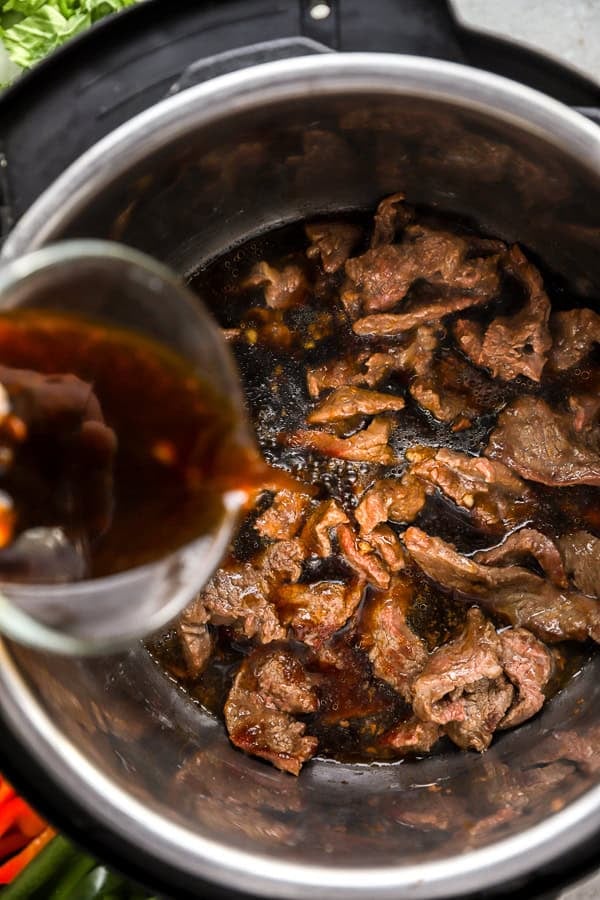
x=30, y=29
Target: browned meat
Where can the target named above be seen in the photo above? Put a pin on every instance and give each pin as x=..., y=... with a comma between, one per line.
x=453, y=391
x=391, y=499
x=392, y=214
x=586, y=411
x=518, y=344
x=393, y=324
x=382, y=276
x=316, y=611
x=523, y=544
x=369, y=445
x=485, y=705
x=581, y=554
x=575, y=332
x=412, y=736
x=282, y=288
x=488, y=489
x=315, y=536
x=360, y=556
x=541, y=444
x=346, y=402
x=332, y=242
x=370, y=369
x=517, y=595
x=386, y=543
x=270, y=687
x=457, y=668
x=197, y=643
x=284, y=518
x=397, y=654
x=281, y=561
x=528, y=664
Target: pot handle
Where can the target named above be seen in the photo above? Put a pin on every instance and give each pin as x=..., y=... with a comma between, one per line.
x=244, y=57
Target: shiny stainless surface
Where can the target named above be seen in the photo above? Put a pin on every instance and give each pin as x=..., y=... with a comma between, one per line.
x=193, y=176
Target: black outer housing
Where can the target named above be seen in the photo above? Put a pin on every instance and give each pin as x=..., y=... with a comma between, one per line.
x=102, y=79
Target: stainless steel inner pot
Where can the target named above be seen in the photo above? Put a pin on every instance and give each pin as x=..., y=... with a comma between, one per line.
x=184, y=181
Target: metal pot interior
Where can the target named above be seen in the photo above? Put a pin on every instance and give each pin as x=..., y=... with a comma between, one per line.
x=206, y=183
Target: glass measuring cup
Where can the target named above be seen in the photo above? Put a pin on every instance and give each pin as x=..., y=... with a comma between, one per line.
x=119, y=287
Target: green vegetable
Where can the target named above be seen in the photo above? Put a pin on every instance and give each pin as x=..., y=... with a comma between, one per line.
x=64, y=890
x=30, y=29
x=55, y=858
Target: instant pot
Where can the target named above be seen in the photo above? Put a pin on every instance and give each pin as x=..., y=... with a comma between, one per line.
x=183, y=131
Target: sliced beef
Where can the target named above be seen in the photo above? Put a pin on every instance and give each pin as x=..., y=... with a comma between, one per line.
x=529, y=665
x=524, y=544
x=332, y=243
x=392, y=214
x=347, y=402
x=494, y=496
x=485, y=706
x=239, y=594
x=585, y=409
x=581, y=554
x=397, y=654
x=398, y=500
x=386, y=543
x=369, y=445
x=269, y=689
x=412, y=736
x=453, y=391
x=284, y=518
x=383, y=275
x=542, y=445
x=361, y=557
x=197, y=642
x=517, y=344
x=574, y=332
x=315, y=536
x=283, y=288
x=454, y=669
x=514, y=594
x=422, y=312
x=316, y=611
x=336, y=373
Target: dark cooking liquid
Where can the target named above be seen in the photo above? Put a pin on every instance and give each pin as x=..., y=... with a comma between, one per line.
x=355, y=707
x=161, y=489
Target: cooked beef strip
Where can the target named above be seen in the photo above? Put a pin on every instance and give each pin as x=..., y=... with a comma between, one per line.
x=346, y=402
x=383, y=275
x=270, y=687
x=197, y=642
x=392, y=214
x=315, y=536
x=360, y=556
x=485, y=706
x=457, y=668
x=574, y=332
x=283, y=288
x=581, y=554
x=518, y=344
x=422, y=312
x=397, y=654
x=494, y=496
x=514, y=594
x=332, y=243
x=371, y=369
x=453, y=391
x=386, y=543
x=284, y=517
x=529, y=665
x=391, y=499
x=585, y=409
x=523, y=544
x=412, y=736
x=369, y=445
x=542, y=445
x=316, y=611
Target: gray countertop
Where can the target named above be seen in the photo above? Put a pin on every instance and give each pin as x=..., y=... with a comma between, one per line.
x=568, y=30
